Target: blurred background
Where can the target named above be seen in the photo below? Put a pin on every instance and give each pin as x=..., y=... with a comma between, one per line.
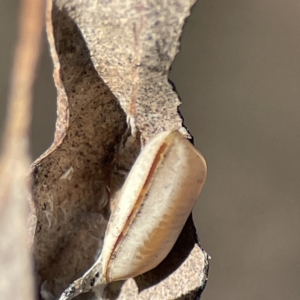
x=238, y=75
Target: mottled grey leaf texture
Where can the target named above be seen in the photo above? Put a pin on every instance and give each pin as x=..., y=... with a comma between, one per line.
x=111, y=63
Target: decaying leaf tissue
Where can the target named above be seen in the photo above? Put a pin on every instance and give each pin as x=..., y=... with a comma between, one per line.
x=111, y=63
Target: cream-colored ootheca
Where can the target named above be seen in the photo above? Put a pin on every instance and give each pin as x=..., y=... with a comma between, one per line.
x=153, y=206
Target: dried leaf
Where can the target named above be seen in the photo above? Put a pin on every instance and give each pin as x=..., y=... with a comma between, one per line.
x=111, y=64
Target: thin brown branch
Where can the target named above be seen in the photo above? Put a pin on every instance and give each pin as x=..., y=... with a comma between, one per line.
x=25, y=61
x=16, y=280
